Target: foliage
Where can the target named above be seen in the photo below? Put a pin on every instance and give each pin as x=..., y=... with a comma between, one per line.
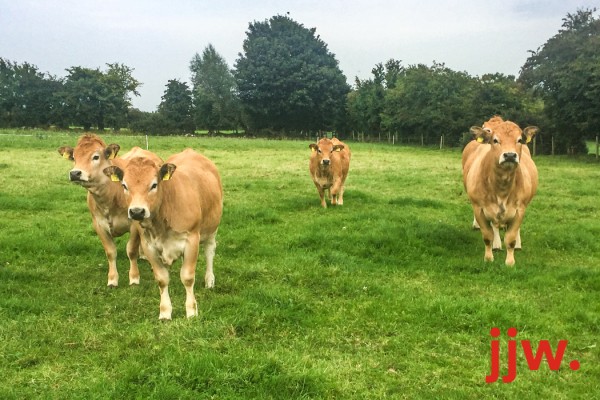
x=288, y=80
x=565, y=72
x=214, y=92
x=385, y=297
x=95, y=98
x=175, y=109
x=27, y=95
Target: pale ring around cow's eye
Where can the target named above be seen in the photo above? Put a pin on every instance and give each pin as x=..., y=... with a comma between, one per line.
x=154, y=186
x=496, y=141
x=124, y=186
x=96, y=157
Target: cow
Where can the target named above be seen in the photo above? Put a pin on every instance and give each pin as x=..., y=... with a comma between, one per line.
x=105, y=201
x=500, y=179
x=329, y=164
x=177, y=206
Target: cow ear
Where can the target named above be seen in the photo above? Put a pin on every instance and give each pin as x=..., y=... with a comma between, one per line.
x=481, y=135
x=313, y=147
x=338, y=147
x=530, y=132
x=111, y=151
x=66, y=152
x=114, y=173
x=166, y=171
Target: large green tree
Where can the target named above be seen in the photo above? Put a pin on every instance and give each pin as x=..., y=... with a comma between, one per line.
x=287, y=78
x=95, y=98
x=27, y=95
x=565, y=72
x=214, y=92
x=175, y=109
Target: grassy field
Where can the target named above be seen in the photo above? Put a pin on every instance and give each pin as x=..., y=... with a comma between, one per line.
x=385, y=297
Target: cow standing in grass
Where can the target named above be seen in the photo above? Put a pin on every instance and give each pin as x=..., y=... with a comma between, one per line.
x=106, y=201
x=500, y=179
x=177, y=206
x=329, y=165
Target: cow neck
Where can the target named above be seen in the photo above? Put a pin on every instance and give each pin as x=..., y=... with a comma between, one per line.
x=504, y=179
x=106, y=194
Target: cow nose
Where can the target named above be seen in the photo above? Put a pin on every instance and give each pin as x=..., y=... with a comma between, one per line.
x=137, y=213
x=510, y=157
x=75, y=175
x=325, y=162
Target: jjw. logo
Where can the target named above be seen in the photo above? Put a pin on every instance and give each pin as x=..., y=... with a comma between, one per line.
x=554, y=360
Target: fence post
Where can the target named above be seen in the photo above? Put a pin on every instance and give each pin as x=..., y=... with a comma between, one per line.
x=534, y=145
x=552, y=145
x=441, y=142
x=146, y=142
x=597, y=148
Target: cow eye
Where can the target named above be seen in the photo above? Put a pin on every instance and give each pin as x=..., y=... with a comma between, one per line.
x=124, y=186
x=319, y=151
x=96, y=157
x=154, y=186
x=520, y=140
x=496, y=141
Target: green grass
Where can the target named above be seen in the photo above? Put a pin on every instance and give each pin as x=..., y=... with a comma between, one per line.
x=385, y=297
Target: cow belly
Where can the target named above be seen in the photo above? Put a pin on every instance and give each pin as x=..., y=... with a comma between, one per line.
x=168, y=249
x=324, y=182
x=500, y=214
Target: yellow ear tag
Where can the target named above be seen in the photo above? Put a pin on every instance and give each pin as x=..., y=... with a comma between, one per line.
x=66, y=155
x=480, y=140
x=114, y=178
x=528, y=139
x=312, y=150
x=338, y=149
x=166, y=177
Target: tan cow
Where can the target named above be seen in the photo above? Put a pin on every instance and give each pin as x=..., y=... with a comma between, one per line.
x=106, y=201
x=177, y=206
x=329, y=165
x=500, y=179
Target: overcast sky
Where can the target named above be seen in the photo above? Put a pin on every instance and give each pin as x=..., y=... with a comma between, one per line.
x=159, y=38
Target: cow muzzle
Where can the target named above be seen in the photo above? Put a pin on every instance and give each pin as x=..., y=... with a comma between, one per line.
x=78, y=176
x=138, y=213
x=326, y=162
x=509, y=157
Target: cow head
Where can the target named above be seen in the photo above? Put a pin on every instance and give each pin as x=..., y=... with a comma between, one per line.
x=323, y=151
x=142, y=180
x=91, y=155
x=506, y=140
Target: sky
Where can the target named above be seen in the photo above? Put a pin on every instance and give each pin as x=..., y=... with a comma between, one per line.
x=159, y=38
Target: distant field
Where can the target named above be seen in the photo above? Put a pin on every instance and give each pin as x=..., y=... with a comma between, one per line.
x=385, y=297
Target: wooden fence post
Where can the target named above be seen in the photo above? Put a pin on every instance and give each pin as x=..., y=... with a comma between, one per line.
x=552, y=145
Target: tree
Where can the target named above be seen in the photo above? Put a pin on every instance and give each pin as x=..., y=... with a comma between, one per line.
x=214, y=92
x=26, y=95
x=95, y=98
x=565, y=72
x=288, y=80
x=175, y=109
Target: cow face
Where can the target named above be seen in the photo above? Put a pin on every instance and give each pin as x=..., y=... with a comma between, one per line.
x=324, y=150
x=91, y=157
x=506, y=139
x=141, y=180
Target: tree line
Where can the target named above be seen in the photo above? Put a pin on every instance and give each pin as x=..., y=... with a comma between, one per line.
x=287, y=82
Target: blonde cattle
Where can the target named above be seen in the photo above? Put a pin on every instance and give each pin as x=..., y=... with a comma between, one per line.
x=105, y=201
x=177, y=206
x=329, y=165
x=500, y=179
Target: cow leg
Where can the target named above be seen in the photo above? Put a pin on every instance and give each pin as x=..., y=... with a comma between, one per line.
x=487, y=233
x=133, y=251
x=497, y=244
x=475, y=224
x=188, y=273
x=111, y=254
x=510, y=239
x=322, y=196
x=210, y=247
x=335, y=191
x=341, y=196
x=518, y=243
x=161, y=274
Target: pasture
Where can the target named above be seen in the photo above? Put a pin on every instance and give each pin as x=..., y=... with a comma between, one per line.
x=385, y=297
